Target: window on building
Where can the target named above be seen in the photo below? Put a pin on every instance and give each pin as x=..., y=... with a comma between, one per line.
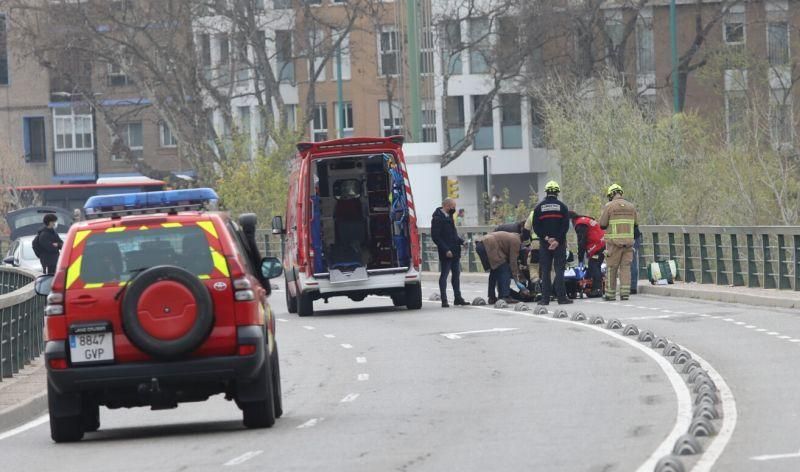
x=3, y=51
x=283, y=56
x=315, y=38
x=733, y=30
x=344, y=55
x=116, y=77
x=508, y=43
x=484, y=138
x=451, y=34
x=389, y=52
x=645, y=51
x=130, y=135
x=72, y=129
x=34, y=139
x=319, y=124
x=735, y=112
x=167, y=138
x=224, y=59
x=479, y=45
x=242, y=62
x=391, y=118
x=426, y=51
x=205, y=55
x=781, y=120
x=244, y=121
x=511, y=120
x=537, y=124
x=259, y=5
x=778, y=43
x=456, y=121
x=347, y=125
x=290, y=117
x=281, y=4
x=428, y=121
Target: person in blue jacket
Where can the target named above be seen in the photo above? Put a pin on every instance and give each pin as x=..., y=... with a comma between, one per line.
x=448, y=243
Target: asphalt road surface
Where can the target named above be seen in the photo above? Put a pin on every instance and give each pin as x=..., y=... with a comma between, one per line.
x=370, y=387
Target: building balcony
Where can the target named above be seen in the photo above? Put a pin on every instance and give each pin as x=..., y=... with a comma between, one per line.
x=74, y=165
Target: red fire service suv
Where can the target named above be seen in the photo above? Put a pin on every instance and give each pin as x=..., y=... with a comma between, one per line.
x=350, y=227
x=157, y=301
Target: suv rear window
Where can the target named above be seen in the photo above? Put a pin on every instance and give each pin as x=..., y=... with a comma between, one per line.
x=115, y=256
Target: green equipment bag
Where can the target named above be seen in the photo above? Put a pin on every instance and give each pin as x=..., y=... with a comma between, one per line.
x=661, y=272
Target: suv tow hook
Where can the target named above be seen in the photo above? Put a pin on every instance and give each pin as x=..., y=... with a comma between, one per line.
x=150, y=389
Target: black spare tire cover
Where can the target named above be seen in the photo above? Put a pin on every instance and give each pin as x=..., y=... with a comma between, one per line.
x=168, y=300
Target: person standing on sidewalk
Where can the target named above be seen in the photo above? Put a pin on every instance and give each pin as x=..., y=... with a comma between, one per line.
x=551, y=223
x=47, y=244
x=448, y=243
x=619, y=220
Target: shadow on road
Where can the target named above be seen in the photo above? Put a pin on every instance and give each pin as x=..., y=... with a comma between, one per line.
x=156, y=431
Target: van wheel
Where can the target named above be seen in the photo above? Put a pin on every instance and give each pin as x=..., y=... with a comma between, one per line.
x=291, y=302
x=305, y=305
x=261, y=413
x=63, y=428
x=399, y=300
x=414, y=296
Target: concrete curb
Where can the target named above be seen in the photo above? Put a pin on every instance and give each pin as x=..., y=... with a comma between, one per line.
x=718, y=296
x=23, y=412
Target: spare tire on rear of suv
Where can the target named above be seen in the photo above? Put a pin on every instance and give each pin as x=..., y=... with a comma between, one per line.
x=167, y=312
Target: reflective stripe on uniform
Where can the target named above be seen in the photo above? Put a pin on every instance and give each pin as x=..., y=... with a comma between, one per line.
x=613, y=233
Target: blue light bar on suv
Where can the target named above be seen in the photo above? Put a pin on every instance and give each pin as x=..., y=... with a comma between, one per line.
x=169, y=201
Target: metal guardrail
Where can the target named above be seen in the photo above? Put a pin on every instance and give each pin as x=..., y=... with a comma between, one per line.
x=746, y=256
x=21, y=321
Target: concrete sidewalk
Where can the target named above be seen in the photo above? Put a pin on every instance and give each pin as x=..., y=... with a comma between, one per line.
x=707, y=292
x=24, y=396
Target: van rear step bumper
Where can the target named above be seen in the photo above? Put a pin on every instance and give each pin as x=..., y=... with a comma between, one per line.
x=189, y=371
x=391, y=270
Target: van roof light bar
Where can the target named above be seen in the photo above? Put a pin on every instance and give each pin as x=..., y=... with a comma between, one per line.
x=144, y=203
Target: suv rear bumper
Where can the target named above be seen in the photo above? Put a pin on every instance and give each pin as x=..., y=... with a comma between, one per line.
x=189, y=371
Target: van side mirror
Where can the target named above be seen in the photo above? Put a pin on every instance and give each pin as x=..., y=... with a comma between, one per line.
x=277, y=225
x=43, y=284
x=271, y=267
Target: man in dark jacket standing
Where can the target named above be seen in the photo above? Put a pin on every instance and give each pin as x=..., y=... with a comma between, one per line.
x=47, y=244
x=448, y=242
x=551, y=223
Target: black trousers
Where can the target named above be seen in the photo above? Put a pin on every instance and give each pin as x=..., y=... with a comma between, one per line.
x=596, y=271
x=446, y=266
x=549, y=260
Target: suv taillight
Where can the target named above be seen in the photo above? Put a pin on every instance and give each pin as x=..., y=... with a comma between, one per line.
x=243, y=290
x=55, y=304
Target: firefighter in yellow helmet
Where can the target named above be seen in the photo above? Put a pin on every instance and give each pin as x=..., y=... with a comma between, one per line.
x=619, y=220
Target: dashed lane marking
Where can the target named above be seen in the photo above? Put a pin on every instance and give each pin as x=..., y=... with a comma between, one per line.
x=773, y=333
x=347, y=346
x=282, y=320
x=750, y=327
x=361, y=360
x=362, y=377
x=311, y=423
x=350, y=397
x=329, y=336
x=243, y=458
x=310, y=328
x=761, y=330
x=784, y=337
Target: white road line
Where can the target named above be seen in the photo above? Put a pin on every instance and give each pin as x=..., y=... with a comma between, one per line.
x=363, y=377
x=761, y=330
x=784, y=337
x=310, y=328
x=329, y=336
x=493, y=330
x=773, y=333
x=794, y=340
x=350, y=397
x=282, y=320
x=729, y=417
x=683, y=416
x=243, y=458
x=729, y=319
x=750, y=326
x=25, y=427
x=741, y=323
x=361, y=360
x=715, y=317
x=769, y=457
x=347, y=346
x=310, y=423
